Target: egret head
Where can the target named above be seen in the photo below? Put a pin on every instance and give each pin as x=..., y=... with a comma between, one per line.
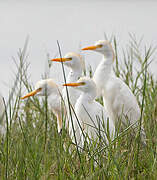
x=84, y=84
x=102, y=46
x=72, y=60
x=42, y=88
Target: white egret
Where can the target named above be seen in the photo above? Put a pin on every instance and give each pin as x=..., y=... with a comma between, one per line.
x=119, y=100
x=75, y=62
x=49, y=87
x=90, y=113
x=2, y=116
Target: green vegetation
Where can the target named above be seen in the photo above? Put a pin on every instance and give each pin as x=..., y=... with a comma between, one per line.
x=32, y=148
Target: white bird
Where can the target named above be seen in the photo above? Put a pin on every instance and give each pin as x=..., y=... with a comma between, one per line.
x=119, y=100
x=49, y=88
x=2, y=116
x=75, y=62
x=90, y=113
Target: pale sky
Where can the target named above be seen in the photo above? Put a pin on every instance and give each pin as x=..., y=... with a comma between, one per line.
x=71, y=23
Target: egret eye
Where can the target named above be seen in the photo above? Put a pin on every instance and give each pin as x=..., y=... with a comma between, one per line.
x=78, y=78
x=99, y=45
x=70, y=58
x=39, y=89
x=82, y=83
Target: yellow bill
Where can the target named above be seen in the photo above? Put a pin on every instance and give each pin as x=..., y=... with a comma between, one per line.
x=61, y=59
x=90, y=48
x=74, y=84
x=31, y=93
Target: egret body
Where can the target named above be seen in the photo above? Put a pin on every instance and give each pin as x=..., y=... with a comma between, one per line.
x=90, y=113
x=75, y=63
x=119, y=100
x=49, y=88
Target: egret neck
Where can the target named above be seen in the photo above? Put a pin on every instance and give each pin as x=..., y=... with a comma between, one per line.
x=103, y=72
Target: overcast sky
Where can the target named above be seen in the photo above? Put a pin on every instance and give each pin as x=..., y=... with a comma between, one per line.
x=71, y=23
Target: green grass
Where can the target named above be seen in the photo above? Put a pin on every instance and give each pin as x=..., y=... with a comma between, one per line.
x=32, y=148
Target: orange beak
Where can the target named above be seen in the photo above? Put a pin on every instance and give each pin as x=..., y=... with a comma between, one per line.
x=74, y=84
x=61, y=59
x=31, y=93
x=90, y=48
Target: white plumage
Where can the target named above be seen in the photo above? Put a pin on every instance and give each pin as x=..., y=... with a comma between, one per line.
x=49, y=88
x=75, y=63
x=119, y=100
x=90, y=113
